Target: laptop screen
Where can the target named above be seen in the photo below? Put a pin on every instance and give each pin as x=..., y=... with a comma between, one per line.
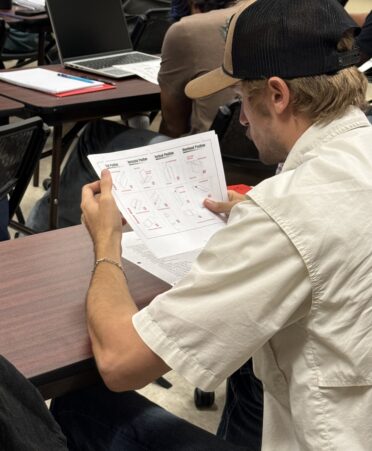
x=88, y=27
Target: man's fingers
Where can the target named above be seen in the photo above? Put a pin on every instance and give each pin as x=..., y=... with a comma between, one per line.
x=91, y=189
x=218, y=207
x=106, y=182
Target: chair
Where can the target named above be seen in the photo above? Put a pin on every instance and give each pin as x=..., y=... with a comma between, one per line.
x=149, y=30
x=239, y=154
x=23, y=58
x=137, y=7
x=3, y=31
x=21, y=144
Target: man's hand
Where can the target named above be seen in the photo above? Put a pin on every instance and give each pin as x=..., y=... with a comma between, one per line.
x=102, y=217
x=224, y=207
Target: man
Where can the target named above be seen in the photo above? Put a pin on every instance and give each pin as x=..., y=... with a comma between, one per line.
x=288, y=279
x=192, y=46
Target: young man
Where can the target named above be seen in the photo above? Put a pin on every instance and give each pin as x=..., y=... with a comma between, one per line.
x=287, y=281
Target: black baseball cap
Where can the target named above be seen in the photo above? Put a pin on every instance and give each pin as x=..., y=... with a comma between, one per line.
x=284, y=38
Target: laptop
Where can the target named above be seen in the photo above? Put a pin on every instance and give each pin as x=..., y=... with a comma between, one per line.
x=92, y=36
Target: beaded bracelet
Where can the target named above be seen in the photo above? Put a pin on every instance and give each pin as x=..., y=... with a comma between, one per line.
x=112, y=262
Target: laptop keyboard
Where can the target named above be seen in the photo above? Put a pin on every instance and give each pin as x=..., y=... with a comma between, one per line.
x=129, y=58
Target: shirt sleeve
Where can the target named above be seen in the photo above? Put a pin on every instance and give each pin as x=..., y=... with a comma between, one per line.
x=248, y=283
x=364, y=40
x=177, y=60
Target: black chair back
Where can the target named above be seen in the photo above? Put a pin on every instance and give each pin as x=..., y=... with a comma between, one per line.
x=21, y=144
x=149, y=30
x=138, y=7
x=3, y=31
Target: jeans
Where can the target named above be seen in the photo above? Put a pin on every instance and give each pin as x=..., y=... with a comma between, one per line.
x=100, y=420
x=99, y=136
x=243, y=411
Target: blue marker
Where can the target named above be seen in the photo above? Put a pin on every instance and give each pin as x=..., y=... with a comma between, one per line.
x=74, y=77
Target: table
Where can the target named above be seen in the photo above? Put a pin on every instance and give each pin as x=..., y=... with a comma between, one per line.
x=131, y=95
x=39, y=24
x=44, y=279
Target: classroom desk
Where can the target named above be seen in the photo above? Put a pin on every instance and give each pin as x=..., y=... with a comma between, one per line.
x=131, y=95
x=43, y=282
x=39, y=24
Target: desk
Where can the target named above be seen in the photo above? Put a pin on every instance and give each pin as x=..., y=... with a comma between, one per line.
x=43, y=282
x=39, y=24
x=130, y=95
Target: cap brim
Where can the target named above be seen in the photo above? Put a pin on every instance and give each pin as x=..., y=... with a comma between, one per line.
x=208, y=84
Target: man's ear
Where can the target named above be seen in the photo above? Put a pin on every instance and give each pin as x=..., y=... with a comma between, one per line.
x=279, y=94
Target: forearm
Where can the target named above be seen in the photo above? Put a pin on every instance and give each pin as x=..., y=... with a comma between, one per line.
x=110, y=308
x=176, y=114
x=174, y=128
x=124, y=361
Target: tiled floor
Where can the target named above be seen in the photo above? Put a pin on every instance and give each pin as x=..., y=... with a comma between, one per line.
x=179, y=398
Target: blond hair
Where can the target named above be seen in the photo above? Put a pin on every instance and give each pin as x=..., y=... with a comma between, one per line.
x=322, y=98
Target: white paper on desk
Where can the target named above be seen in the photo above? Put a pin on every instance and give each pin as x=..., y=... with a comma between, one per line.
x=31, y=4
x=160, y=189
x=365, y=66
x=170, y=269
x=148, y=70
x=45, y=80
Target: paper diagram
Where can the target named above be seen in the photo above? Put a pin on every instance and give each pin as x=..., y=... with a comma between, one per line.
x=196, y=168
x=171, y=172
x=160, y=190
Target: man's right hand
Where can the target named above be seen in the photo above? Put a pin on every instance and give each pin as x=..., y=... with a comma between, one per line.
x=224, y=207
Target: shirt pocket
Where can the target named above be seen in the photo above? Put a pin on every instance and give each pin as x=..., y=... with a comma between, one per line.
x=346, y=368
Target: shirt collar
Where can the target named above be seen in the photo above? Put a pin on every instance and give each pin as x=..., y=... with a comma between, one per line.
x=317, y=135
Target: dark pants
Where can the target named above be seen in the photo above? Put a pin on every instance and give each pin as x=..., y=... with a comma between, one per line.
x=25, y=422
x=96, y=419
x=243, y=412
x=100, y=420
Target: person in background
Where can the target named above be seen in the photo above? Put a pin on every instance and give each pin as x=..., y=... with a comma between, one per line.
x=192, y=47
x=364, y=40
x=287, y=281
x=20, y=42
x=179, y=9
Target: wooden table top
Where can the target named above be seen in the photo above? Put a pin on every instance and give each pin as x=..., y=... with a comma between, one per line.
x=43, y=283
x=130, y=95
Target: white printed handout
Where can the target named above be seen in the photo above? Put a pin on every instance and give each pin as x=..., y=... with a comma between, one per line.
x=170, y=269
x=148, y=70
x=160, y=189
